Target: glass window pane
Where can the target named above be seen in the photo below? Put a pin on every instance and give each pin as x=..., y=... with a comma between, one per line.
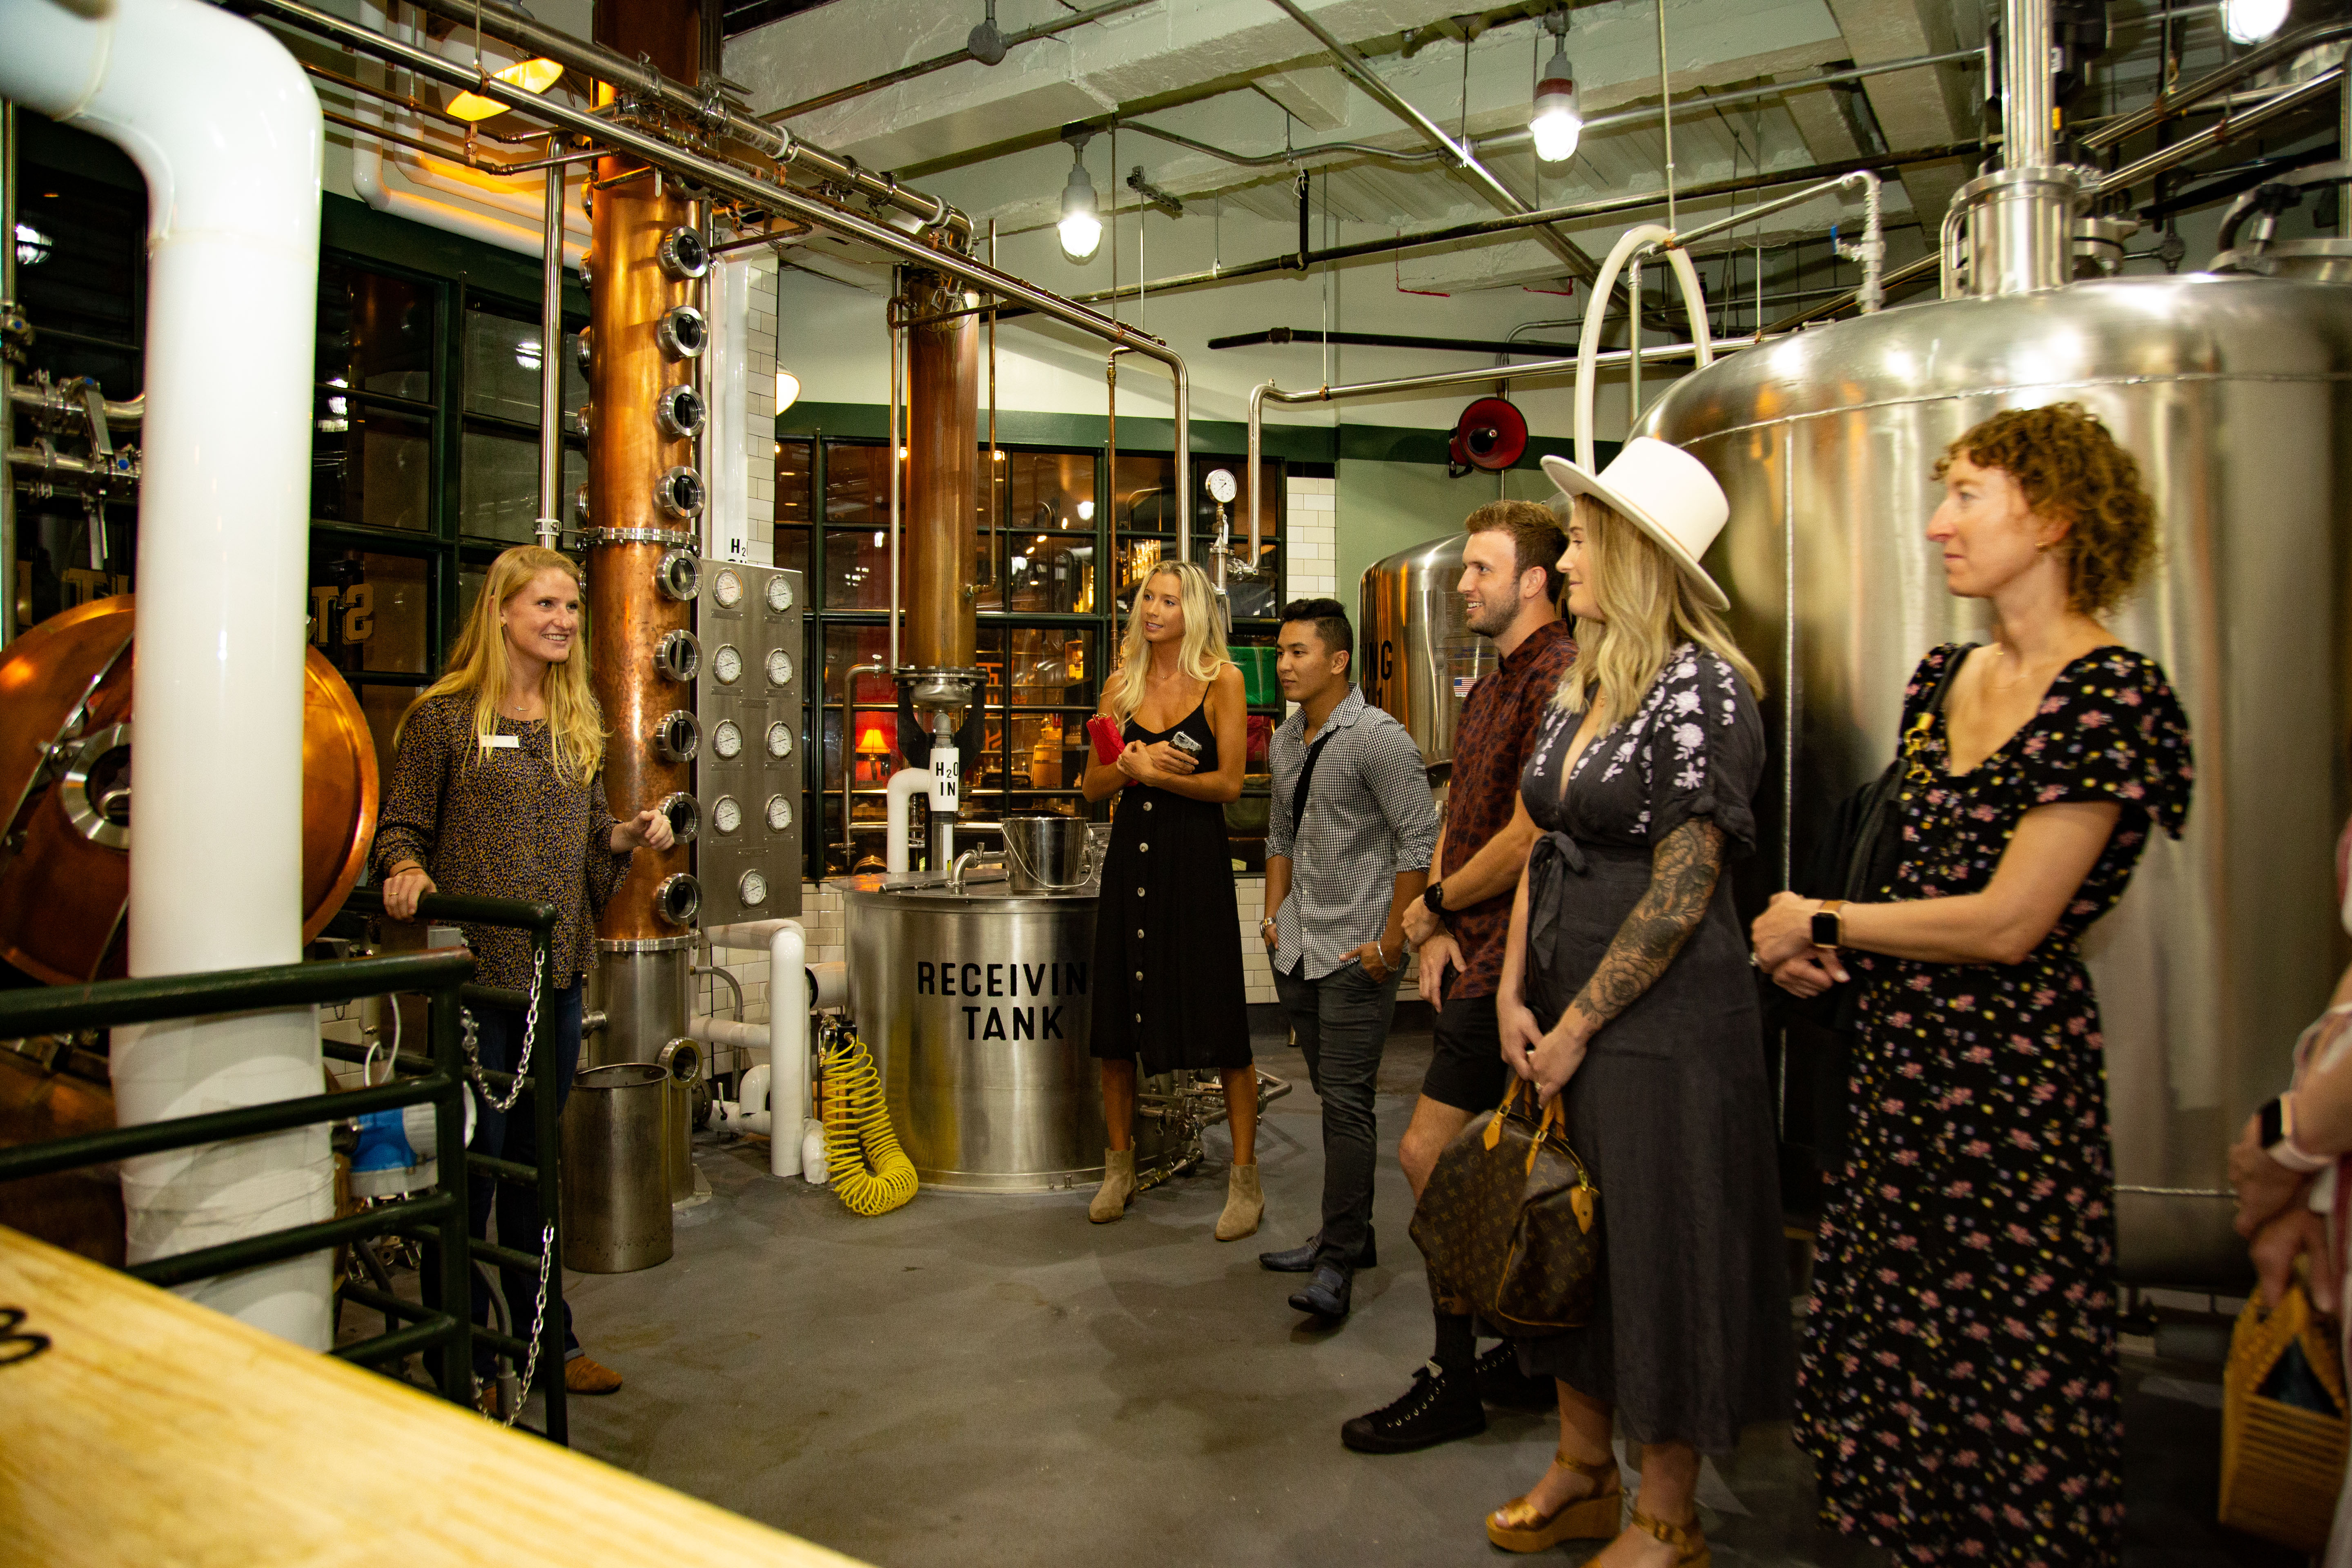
x=792, y=550
x=502, y=369
x=497, y=485
x=857, y=568
x=368, y=612
x=383, y=705
x=375, y=333
x=1051, y=573
x=470, y=579
x=874, y=747
x=795, y=463
x=1141, y=495
x=856, y=482
x=370, y=465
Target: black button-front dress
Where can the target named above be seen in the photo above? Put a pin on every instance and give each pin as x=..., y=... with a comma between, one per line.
x=1959, y=1385
x=1671, y=1107
x=1168, y=958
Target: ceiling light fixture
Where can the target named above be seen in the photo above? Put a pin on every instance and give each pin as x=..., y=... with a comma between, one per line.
x=1557, y=123
x=1081, y=226
x=531, y=76
x=2252, y=21
x=788, y=389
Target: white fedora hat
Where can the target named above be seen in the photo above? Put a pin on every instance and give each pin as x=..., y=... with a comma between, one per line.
x=1663, y=491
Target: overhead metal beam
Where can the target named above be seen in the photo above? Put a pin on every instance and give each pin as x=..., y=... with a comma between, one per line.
x=941, y=62
x=1361, y=72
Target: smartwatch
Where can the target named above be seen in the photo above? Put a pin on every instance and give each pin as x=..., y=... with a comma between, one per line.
x=2274, y=1129
x=1434, y=897
x=1829, y=923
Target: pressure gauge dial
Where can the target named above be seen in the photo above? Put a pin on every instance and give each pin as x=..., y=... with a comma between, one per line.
x=780, y=595
x=1220, y=486
x=780, y=739
x=780, y=668
x=727, y=739
x=726, y=664
x=780, y=813
x=752, y=889
x=727, y=588
x=726, y=813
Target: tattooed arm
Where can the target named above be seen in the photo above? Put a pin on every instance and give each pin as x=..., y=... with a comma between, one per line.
x=1683, y=874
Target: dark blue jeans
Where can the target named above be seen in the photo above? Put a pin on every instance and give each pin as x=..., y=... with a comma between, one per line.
x=514, y=1135
x=1341, y=1023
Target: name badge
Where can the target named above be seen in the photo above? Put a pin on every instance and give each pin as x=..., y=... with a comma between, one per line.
x=499, y=742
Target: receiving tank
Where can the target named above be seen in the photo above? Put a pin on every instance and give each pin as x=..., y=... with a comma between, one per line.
x=1421, y=658
x=2235, y=395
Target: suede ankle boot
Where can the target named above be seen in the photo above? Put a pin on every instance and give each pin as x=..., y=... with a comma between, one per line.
x=1244, y=1204
x=1117, y=1189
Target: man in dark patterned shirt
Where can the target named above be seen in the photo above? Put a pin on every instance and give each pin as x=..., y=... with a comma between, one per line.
x=1510, y=587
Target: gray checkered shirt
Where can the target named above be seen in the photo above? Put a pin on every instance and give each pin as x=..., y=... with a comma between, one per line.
x=1368, y=819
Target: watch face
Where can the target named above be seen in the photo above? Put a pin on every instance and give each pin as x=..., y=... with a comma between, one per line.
x=780, y=813
x=726, y=813
x=726, y=664
x=780, y=595
x=727, y=588
x=780, y=667
x=727, y=739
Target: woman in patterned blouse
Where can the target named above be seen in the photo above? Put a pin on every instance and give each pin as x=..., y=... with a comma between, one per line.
x=496, y=791
x=1959, y=1388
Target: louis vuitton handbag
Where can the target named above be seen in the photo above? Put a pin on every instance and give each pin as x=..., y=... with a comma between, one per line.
x=1511, y=1220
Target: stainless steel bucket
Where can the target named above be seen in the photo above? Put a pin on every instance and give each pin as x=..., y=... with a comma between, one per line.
x=1046, y=854
x=616, y=1215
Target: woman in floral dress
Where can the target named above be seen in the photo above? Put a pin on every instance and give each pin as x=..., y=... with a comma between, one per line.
x=1959, y=1388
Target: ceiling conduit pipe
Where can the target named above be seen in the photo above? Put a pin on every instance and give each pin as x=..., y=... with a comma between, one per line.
x=729, y=180
x=233, y=180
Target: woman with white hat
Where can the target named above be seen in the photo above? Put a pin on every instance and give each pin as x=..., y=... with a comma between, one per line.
x=1626, y=992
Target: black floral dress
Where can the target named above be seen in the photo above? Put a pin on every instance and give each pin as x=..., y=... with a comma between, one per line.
x=1959, y=1385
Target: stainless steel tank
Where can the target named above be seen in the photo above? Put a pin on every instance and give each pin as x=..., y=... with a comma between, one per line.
x=1421, y=658
x=976, y=1006
x=2235, y=395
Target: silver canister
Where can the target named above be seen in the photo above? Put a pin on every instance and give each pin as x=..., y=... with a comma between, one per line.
x=682, y=1060
x=1047, y=854
x=617, y=1188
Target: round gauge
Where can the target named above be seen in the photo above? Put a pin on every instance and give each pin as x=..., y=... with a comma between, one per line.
x=752, y=889
x=727, y=588
x=780, y=739
x=727, y=739
x=780, y=813
x=780, y=668
x=726, y=664
x=727, y=813
x=780, y=595
x=1220, y=486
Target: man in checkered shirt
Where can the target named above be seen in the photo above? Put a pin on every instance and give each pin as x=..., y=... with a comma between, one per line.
x=1348, y=842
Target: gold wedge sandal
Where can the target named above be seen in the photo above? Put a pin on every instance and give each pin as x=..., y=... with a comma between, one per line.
x=1690, y=1546
x=1518, y=1527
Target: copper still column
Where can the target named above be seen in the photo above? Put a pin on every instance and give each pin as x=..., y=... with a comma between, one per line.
x=943, y=547
x=644, y=496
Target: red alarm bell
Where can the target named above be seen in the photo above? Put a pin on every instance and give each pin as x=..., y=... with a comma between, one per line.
x=1491, y=436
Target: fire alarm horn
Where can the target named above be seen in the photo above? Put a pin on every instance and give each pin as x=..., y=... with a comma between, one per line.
x=1491, y=435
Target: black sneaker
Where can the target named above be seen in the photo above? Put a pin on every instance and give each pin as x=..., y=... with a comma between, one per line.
x=1301, y=1259
x=1438, y=1408
x=1500, y=1382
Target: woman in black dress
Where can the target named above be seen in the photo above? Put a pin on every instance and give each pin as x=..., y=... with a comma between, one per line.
x=1168, y=962
x=1626, y=992
x=1958, y=1389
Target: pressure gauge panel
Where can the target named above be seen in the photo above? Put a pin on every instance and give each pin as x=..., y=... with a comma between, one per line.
x=726, y=664
x=780, y=668
x=727, y=741
x=750, y=693
x=726, y=814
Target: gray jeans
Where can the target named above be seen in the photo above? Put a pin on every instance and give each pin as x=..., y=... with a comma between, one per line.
x=1341, y=1024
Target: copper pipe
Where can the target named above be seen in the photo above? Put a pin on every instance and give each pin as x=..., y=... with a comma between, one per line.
x=627, y=453
x=942, y=480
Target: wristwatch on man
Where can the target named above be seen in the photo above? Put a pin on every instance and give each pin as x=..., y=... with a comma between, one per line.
x=1829, y=923
x=1433, y=898
x=2275, y=1132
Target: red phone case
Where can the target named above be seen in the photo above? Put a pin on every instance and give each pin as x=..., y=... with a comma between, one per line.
x=1108, y=744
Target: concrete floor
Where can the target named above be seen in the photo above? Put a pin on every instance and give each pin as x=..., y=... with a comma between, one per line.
x=994, y=1381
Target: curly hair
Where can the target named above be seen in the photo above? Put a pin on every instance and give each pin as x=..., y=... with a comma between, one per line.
x=2072, y=469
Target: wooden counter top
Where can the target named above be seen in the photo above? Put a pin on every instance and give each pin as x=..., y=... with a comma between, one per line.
x=156, y=1432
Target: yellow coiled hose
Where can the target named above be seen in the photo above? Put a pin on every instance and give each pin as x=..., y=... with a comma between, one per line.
x=868, y=1170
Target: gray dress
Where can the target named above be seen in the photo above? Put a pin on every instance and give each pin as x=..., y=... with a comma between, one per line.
x=1671, y=1107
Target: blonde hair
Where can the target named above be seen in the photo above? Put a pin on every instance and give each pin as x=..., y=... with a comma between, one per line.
x=477, y=667
x=1648, y=606
x=1201, y=654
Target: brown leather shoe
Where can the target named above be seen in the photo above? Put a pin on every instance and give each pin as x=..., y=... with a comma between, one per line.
x=584, y=1374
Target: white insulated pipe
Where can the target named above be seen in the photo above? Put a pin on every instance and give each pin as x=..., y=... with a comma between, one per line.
x=904, y=785
x=223, y=125
x=786, y=1038
x=1588, y=342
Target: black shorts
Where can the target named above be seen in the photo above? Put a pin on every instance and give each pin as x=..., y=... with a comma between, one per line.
x=1466, y=1070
